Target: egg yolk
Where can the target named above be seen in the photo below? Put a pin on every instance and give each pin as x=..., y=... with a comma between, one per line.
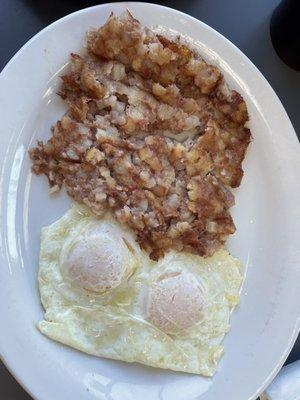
x=175, y=302
x=95, y=261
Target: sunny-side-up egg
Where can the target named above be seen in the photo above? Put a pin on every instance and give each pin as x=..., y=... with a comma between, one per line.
x=104, y=296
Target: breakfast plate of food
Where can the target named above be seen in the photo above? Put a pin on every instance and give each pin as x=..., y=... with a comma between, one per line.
x=149, y=212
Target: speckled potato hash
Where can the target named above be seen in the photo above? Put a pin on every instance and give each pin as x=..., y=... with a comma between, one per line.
x=153, y=134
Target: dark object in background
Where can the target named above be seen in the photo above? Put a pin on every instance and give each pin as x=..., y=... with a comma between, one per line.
x=285, y=32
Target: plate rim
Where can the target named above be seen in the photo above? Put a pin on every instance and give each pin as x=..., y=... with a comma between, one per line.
x=290, y=134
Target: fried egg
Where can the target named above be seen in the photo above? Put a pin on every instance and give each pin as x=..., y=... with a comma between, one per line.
x=103, y=295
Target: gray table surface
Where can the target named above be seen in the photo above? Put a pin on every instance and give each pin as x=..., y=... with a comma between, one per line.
x=244, y=22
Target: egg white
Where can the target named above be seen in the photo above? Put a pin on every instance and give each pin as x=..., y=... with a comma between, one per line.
x=115, y=324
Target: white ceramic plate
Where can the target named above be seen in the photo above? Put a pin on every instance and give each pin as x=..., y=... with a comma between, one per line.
x=267, y=216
